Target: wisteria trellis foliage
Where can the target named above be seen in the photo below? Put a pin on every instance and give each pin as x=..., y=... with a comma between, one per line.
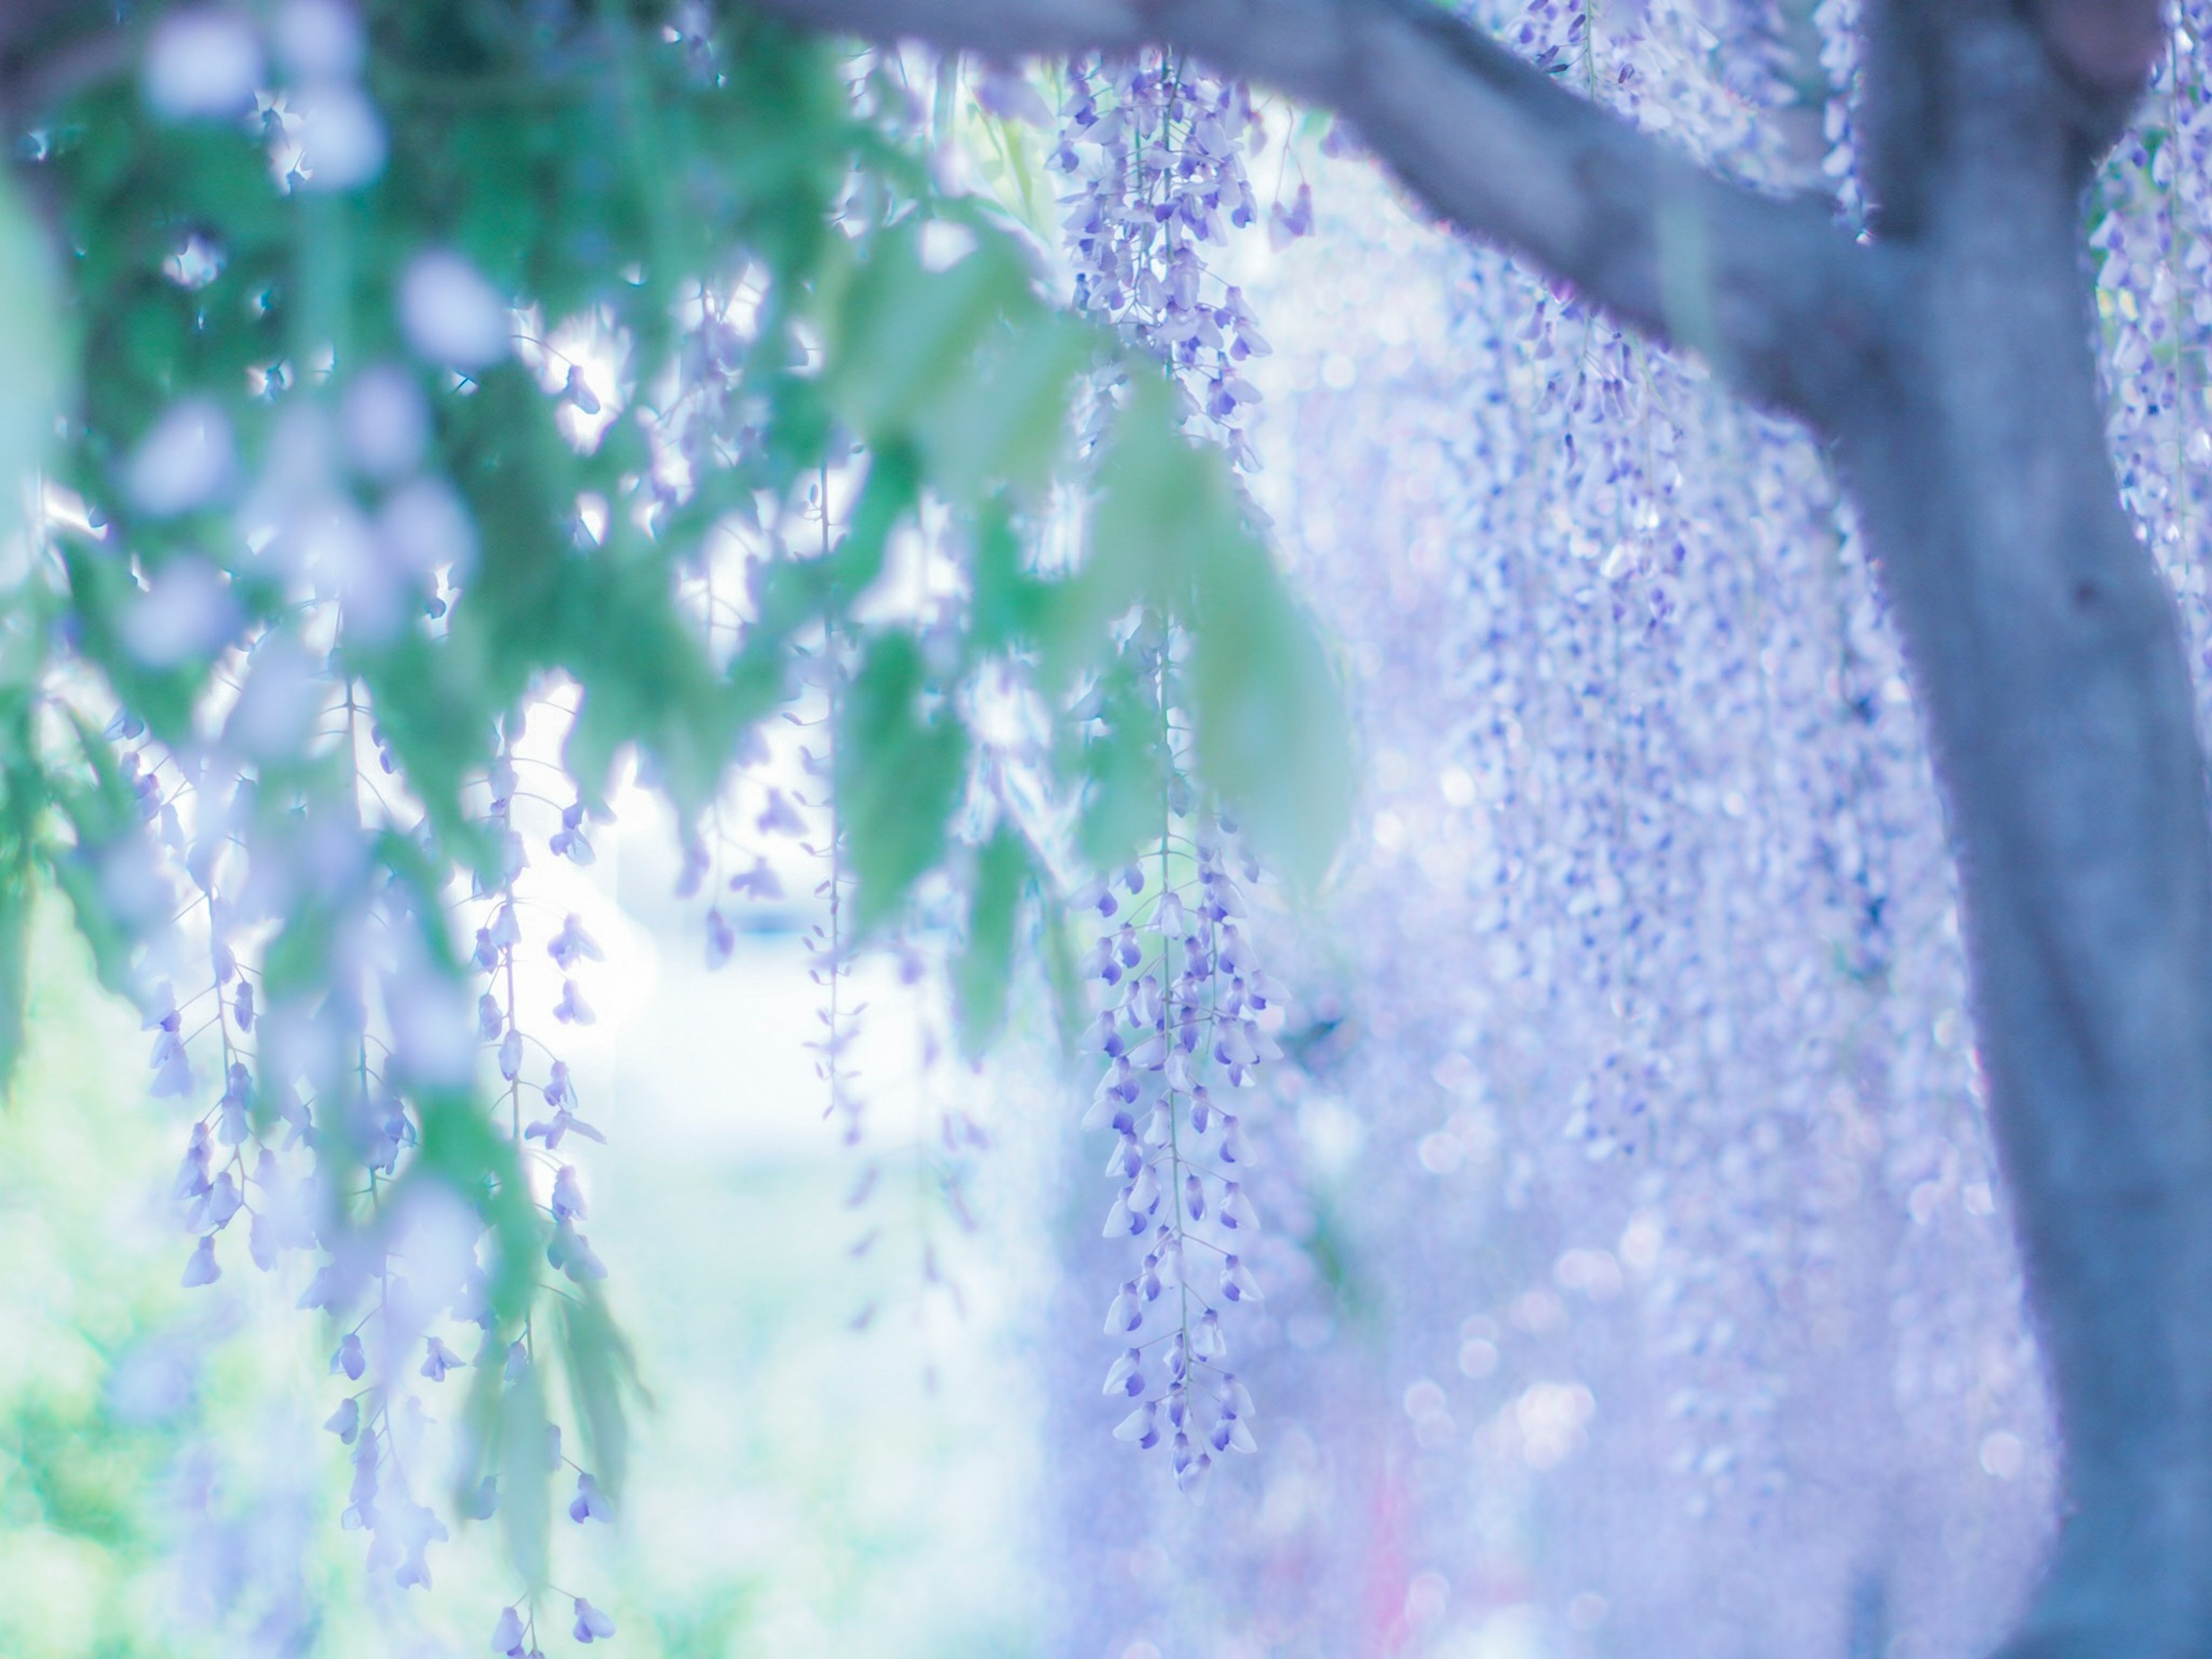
x=443, y=377
x=470, y=413
x=1657, y=968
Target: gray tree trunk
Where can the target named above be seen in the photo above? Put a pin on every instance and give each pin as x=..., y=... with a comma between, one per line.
x=2048, y=666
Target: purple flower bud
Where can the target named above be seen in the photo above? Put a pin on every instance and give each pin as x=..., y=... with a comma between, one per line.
x=440, y=1361
x=1236, y=1211
x=345, y=1421
x=1126, y=1313
x=1236, y=1399
x=1229, y=957
x=235, y=1107
x=1106, y=1108
x=202, y=1268
x=173, y=1077
x=572, y=1009
x=1145, y=1191
x=510, y=1055
x=1141, y=1426
x=1193, y=1196
x=362, y=1493
x=592, y=1624
x=1098, y=897
x=1104, y=1036
x=220, y=1204
x=261, y=1242
x=1170, y=1252
x=348, y=1357
x=760, y=881
x=491, y=1020
x=1124, y=1377
x=567, y=1197
x=1237, y=1281
x=1201, y=1110
x=561, y=1125
x=589, y=1504
x=572, y=943
x=583, y=1264
x=506, y=1635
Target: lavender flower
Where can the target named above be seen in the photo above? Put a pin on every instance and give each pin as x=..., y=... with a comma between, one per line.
x=592, y=1624
x=589, y=1504
x=202, y=1269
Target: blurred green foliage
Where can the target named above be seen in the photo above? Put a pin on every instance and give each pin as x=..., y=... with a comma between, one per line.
x=799, y=1503
x=603, y=166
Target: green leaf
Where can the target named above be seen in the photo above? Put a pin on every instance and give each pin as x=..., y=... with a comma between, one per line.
x=1071, y=998
x=1159, y=499
x=1010, y=607
x=980, y=974
x=899, y=775
x=1273, y=739
x=1123, y=773
x=31, y=353
x=461, y=1148
x=1004, y=422
x=17, y=893
x=518, y=1439
x=1169, y=532
x=907, y=335
x=602, y=1375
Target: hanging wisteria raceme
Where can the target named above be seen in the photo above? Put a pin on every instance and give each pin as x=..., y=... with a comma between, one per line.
x=1675, y=1177
x=1156, y=149
x=329, y=1164
x=446, y=464
x=1181, y=1017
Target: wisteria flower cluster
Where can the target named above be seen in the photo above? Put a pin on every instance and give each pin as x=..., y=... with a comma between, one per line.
x=415, y=505
x=1155, y=149
x=1182, y=998
x=1674, y=1157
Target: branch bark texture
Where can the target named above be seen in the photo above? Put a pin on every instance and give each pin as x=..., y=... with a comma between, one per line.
x=1948, y=364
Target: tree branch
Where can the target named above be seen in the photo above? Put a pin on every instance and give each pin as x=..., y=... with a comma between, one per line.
x=1781, y=303
x=1936, y=71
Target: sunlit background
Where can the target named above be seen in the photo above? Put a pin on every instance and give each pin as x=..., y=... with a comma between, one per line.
x=1637, y=1278
x=874, y=1429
